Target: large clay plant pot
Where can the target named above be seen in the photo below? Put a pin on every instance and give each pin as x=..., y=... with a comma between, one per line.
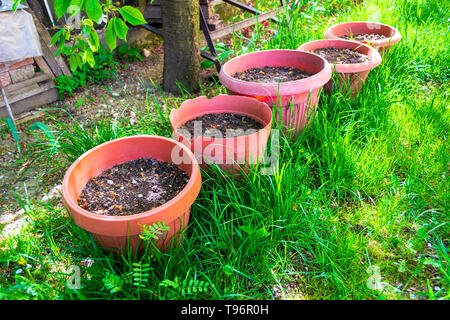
x=117, y=232
x=352, y=29
x=350, y=76
x=295, y=101
x=229, y=153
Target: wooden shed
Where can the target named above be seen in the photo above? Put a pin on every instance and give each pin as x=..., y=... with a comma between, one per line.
x=28, y=82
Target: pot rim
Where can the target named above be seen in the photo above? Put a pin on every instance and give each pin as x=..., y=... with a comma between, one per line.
x=374, y=61
x=271, y=89
x=396, y=36
x=205, y=100
x=74, y=208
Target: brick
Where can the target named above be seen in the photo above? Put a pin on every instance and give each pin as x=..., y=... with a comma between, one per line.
x=5, y=79
x=21, y=64
x=21, y=74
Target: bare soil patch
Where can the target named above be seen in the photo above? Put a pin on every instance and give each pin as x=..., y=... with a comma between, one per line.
x=364, y=37
x=271, y=74
x=225, y=123
x=133, y=187
x=341, y=56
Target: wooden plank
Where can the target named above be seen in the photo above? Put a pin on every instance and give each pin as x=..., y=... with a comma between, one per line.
x=47, y=54
x=50, y=61
x=49, y=50
x=39, y=77
x=22, y=74
x=42, y=98
x=244, y=24
x=40, y=61
x=229, y=29
x=30, y=93
x=22, y=90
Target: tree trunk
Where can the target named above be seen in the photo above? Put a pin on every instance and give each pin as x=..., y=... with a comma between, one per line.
x=181, y=45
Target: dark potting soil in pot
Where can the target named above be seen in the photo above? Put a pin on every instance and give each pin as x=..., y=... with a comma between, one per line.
x=341, y=56
x=226, y=123
x=271, y=74
x=133, y=187
x=364, y=37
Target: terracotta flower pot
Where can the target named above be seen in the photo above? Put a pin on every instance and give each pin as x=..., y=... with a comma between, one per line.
x=351, y=76
x=228, y=153
x=113, y=232
x=295, y=97
x=362, y=27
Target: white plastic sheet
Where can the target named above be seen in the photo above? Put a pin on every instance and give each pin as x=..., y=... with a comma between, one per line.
x=19, y=38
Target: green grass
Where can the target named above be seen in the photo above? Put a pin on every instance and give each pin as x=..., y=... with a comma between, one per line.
x=360, y=196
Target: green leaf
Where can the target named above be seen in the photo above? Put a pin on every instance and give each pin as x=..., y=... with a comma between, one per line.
x=75, y=7
x=13, y=130
x=66, y=51
x=62, y=42
x=154, y=231
x=43, y=128
x=57, y=53
x=228, y=269
x=75, y=62
x=223, y=55
x=86, y=29
x=121, y=28
x=88, y=57
x=94, y=41
x=206, y=64
x=93, y=10
x=61, y=7
x=110, y=35
x=132, y=15
x=16, y=3
x=56, y=37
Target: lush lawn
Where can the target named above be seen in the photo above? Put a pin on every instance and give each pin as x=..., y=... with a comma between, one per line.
x=358, y=208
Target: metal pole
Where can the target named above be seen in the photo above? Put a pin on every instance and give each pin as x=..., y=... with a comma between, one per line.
x=213, y=56
x=8, y=108
x=49, y=12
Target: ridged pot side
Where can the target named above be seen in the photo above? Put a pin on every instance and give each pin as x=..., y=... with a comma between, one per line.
x=349, y=76
x=229, y=153
x=113, y=232
x=297, y=99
